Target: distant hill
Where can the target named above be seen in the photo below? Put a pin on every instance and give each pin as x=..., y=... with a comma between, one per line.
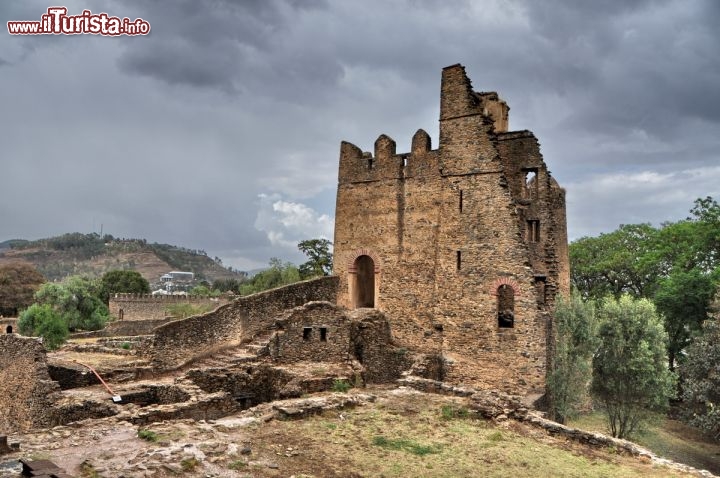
x=93, y=255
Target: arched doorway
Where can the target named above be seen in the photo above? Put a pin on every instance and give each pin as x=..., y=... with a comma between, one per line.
x=9, y=329
x=364, y=291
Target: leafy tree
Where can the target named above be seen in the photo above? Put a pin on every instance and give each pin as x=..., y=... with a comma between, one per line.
x=77, y=301
x=43, y=321
x=227, y=285
x=18, y=283
x=122, y=281
x=701, y=382
x=320, y=263
x=614, y=263
x=277, y=275
x=575, y=330
x=683, y=299
x=630, y=373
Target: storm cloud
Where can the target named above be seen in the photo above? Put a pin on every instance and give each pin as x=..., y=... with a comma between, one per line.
x=220, y=130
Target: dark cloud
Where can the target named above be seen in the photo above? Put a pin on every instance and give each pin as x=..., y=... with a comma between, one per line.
x=220, y=130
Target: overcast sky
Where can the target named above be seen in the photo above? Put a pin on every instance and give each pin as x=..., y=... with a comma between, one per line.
x=221, y=129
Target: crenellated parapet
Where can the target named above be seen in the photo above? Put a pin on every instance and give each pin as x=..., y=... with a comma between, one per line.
x=357, y=166
x=162, y=298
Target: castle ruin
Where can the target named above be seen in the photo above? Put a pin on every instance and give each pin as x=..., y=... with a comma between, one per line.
x=464, y=246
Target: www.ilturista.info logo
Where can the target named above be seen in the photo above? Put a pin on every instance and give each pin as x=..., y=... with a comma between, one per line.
x=57, y=22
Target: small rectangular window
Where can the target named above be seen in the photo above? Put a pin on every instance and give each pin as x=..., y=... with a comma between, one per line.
x=459, y=260
x=307, y=332
x=533, y=231
x=323, y=334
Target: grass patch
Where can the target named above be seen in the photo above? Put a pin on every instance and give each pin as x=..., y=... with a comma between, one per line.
x=189, y=464
x=88, y=470
x=148, y=435
x=126, y=345
x=237, y=465
x=665, y=437
x=409, y=446
x=341, y=386
x=449, y=412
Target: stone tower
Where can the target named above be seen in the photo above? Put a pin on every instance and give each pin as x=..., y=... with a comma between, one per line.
x=463, y=246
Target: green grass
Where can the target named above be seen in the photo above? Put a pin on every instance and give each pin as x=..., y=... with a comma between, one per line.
x=665, y=437
x=148, y=435
x=237, y=465
x=189, y=464
x=341, y=386
x=405, y=445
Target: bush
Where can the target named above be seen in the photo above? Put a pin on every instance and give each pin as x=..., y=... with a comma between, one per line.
x=42, y=321
x=148, y=435
x=341, y=386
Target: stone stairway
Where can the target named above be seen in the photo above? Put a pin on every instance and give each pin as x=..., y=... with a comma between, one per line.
x=237, y=356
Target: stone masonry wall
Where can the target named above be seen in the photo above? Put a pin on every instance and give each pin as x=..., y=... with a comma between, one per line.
x=28, y=393
x=317, y=331
x=180, y=341
x=445, y=229
x=147, y=306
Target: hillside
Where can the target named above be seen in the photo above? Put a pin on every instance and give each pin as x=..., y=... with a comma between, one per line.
x=90, y=254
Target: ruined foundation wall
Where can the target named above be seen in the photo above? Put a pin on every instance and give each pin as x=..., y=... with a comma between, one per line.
x=147, y=306
x=180, y=341
x=27, y=392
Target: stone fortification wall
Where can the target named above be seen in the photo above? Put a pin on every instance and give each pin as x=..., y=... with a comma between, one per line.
x=125, y=328
x=147, y=306
x=28, y=393
x=180, y=341
x=463, y=246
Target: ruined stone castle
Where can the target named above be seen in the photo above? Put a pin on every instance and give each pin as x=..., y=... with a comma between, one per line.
x=447, y=265
x=463, y=246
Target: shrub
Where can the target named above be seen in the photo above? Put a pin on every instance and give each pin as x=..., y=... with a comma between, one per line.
x=341, y=386
x=148, y=435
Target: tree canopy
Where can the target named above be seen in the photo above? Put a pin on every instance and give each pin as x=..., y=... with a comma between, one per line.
x=630, y=375
x=122, y=281
x=320, y=261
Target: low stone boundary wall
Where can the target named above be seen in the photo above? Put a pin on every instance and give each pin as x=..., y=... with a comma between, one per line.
x=500, y=406
x=178, y=342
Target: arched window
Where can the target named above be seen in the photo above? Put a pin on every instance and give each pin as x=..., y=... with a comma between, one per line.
x=506, y=306
x=364, y=291
x=9, y=329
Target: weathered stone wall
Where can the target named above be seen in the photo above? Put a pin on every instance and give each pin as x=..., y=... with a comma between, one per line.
x=147, y=306
x=445, y=229
x=317, y=331
x=28, y=393
x=5, y=323
x=180, y=341
x=125, y=328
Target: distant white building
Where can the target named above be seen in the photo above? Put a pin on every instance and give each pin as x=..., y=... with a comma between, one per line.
x=177, y=280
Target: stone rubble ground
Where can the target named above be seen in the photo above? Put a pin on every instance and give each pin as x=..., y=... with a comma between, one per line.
x=111, y=446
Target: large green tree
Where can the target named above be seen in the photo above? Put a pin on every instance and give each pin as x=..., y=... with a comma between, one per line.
x=683, y=299
x=320, y=258
x=575, y=334
x=630, y=373
x=77, y=301
x=122, y=281
x=18, y=283
x=701, y=380
x=43, y=321
x=278, y=274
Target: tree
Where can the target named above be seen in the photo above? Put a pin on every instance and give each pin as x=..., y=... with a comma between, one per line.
x=43, y=321
x=77, y=301
x=575, y=330
x=320, y=263
x=683, y=299
x=18, y=283
x=630, y=373
x=701, y=382
x=277, y=275
x=122, y=281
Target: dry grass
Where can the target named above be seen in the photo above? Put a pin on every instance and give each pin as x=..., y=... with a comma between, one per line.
x=412, y=437
x=668, y=438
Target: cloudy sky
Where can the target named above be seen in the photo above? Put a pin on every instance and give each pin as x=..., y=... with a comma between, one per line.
x=220, y=130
